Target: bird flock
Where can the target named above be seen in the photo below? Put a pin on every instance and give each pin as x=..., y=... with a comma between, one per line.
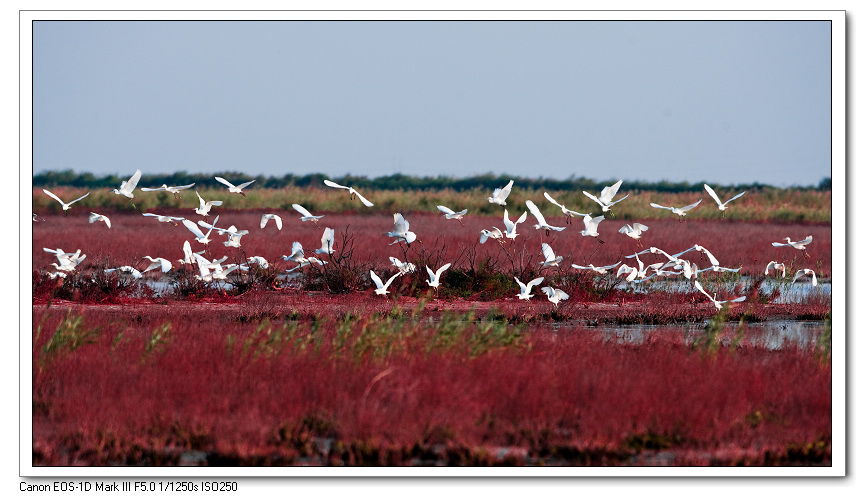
x=635, y=272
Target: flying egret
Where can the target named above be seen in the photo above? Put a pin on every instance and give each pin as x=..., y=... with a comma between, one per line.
x=555, y=295
x=434, y=277
x=806, y=272
x=495, y=234
x=305, y=215
x=567, y=212
x=381, y=287
x=296, y=253
x=234, y=236
x=158, y=262
x=550, y=258
x=259, y=260
x=234, y=189
x=188, y=258
x=267, y=217
x=352, y=192
x=327, y=243
x=800, y=245
x=681, y=211
x=500, y=194
x=605, y=200
x=591, y=224
x=99, y=217
x=721, y=206
x=511, y=227
x=204, y=207
x=776, y=266
x=718, y=303
x=403, y=267
x=126, y=269
x=597, y=269
x=542, y=223
x=400, y=230
x=634, y=231
x=171, y=189
x=526, y=289
x=631, y=272
x=164, y=219
x=64, y=204
x=450, y=214
x=127, y=186
x=199, y=235
x=68, y=260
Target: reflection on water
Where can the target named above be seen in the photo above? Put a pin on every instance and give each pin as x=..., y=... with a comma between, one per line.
x=789, y=292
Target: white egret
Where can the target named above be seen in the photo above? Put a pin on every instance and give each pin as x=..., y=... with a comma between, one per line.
x=234, y=189
x=450, y=214
x=129, y=185
x=381, y=287
x=267, y=217
x=158, y=262
x=680, y=211
x=495, y=234
x=597, y=269
x=64, y=204
x=352, y=192
x=591, y=226
x=511, y=227
x=721, y=206
x=526, y=289
x=605, y=200
x=800, y=245
x=305, y=215
x=188, y=258
x=718, y=303
x=500, y=194
x=550, y=258
x=806, y=272
x=555, y=295
x=68, y=260
x=234, y=236
x=634, y=231
x=327, y=242
x=164, y=219
x=204, y=207
x=171, y=189
x=400, y=230
x=434, y=277
x=403, y=267
x=259, y=260
x=776, y=266
x=567, y=212
x=296, y=253
x=126, y=269
x=199, y=235
x=99, y=217
x=542, y=223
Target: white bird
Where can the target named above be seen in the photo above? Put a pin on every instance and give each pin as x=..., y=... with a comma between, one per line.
x=204, y=207
x=699, y=248
x=450, y=214
x=158, y=262
x=212, y=270
x=305, y=215
x=591, y=226
x=526, y=289
x=542, y=223
x=403, y=267
x=234, y=236
x=381, y=287
x=631, y=272
x=352, y=192
x=634, y=231
x=555, y=295
x=126, y=269
x=257, y=259
x=605, y=200
x=597, y=269
x=99, y=217
x=776, y=266
x=64, y=204
x=199, y=235
x=267, y=217
x=171, y=189
x=56, y=274
x=296, y=253
x=800, y=245
x=718, y=303
x=400, y=230
x=327, y=243
x=68, y=260
x=164, y=219
x=127, y=186
x=188, y=258
x=495, y=234
x=511, y=227
x=567, y=212
x=681, y=211
x=806, y=272
x=434, y=276
x=500, y=194
x=550, y=258
x=721, y=206
x=234, y=189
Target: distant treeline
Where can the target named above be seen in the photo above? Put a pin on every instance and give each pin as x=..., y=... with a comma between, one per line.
x=392, y=182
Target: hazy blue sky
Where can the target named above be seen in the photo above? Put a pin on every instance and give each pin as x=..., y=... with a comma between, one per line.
x=724, y=102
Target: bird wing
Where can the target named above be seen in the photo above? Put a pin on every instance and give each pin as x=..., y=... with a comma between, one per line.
x=193, y=228
x=523, y=287
x=592, y=197
x=504, y=192
x=441, y=270
x=659, y=206
x=549, y=255
x=536, y=281
x=548, y=290
x=640, y=227
x=551, y=199
x=166, y=264
x=711, y=257
x=264, y=219
x=698, y=286
x=296, y=250
x=561, y=294
x=689, y=207
x=327, y=239
x=445, y=209
x=536, y=212
x=776, y=244
x=184, y=187
x=432, y=275
x=713, y=195
x=244, y=185
x=625, y=229
x=579, y=267
x=161, y=188
x=55, y=197
x=390, y=280
x=133, y=181
x=610, y=204
x=107, y=221
x=611, y=266
x=200, y=200
x=400, y=224
x=79, y=198
x=734, y=198
x=334, y=185
x=363, y=199
x=223, y=181
x=806, y=241
x=299, y=208
x=609, y=192
x=509, y=226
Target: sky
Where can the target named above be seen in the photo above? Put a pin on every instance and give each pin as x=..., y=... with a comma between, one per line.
x=725, y=102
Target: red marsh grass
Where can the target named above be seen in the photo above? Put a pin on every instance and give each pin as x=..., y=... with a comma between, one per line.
x=148, y=388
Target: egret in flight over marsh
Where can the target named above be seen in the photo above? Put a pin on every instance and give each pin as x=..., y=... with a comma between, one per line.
x=267, y=217
x=234, y=189
x=500, y=194
x=680, y=211
x=434, y=277
x=542, y=223
x=721, y=206
x=99, y=217
x=605, y=200
x=800, y=245
x=526, y=288
x=450, y=214
x=351, y=191
x=129, y=185
x=204, y=207
x=305, y=215
x=567, y=212
x=381, y=288
x=64, y=204
x=171, y=189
